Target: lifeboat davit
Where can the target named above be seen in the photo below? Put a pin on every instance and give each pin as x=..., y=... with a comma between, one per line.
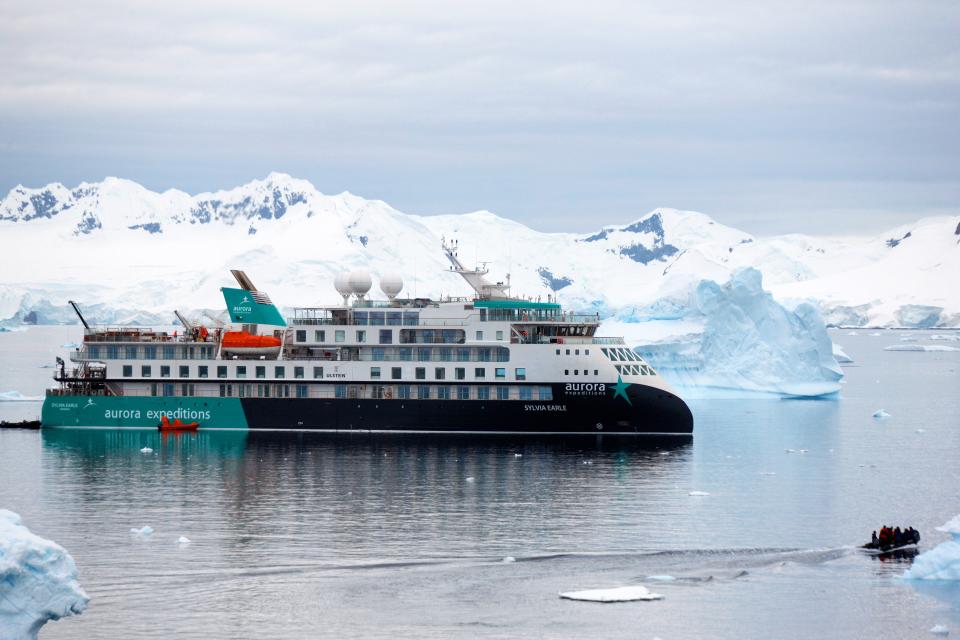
x=243, y=343
x=176, y=425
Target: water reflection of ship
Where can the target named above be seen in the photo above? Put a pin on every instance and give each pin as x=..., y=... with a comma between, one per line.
x=100, y=442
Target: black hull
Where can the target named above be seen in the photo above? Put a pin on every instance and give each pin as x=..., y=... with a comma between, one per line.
x=649, y=411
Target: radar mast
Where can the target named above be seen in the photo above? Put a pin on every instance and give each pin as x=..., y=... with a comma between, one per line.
x=485, y=289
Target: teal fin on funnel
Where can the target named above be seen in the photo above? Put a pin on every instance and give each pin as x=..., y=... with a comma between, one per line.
x=251, y=307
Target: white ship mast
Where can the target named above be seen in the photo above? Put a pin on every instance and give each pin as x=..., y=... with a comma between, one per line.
x=485, y=289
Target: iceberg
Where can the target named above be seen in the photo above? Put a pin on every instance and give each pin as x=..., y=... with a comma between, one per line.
x=617, y=594
x=943, y=561
x=881, y=413
x=38, y=580
x=736, y=337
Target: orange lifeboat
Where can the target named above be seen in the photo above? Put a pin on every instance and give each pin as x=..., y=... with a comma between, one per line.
x=243, y=343
x=176, y=425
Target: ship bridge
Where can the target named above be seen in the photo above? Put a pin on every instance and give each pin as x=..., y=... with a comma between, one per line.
x=538, y=322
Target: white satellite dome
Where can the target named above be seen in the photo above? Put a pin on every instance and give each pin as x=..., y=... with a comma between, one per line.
x=341, y=283
x=391, y=285
x=360, y=282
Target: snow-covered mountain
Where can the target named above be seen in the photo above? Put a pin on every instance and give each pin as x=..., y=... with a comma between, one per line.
x=129, y=254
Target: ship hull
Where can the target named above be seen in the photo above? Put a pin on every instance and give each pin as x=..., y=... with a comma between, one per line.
x=582, y=409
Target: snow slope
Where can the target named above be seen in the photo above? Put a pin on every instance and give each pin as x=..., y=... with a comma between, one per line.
x=38, y=580
x=129, y=254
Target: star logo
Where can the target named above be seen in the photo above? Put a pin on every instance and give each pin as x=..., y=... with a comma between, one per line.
x=620, y=389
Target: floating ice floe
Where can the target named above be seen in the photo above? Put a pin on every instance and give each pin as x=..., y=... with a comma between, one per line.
x=768, y=473
x=16, y=396
x=38, y=580
x=921, y=430
x=509, y=559
x=938, y=336
x=143, y=531
x=880, y=413
x=661, y=578
x=146, y=450
x=920, y=347
x=940, y=630
x=876, y=333
x=840, y=355
x=698, y=493
x=943, y=561
x=616, y=594
x=518, y=455
x=469, y=479
x=182, y=540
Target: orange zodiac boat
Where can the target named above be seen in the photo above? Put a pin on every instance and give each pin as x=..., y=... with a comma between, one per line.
x=176, y=425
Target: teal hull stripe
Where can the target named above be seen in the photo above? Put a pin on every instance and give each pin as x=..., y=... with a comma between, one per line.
x=141, y=412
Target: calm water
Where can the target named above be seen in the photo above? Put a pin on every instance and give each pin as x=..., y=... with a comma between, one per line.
x=298, y=535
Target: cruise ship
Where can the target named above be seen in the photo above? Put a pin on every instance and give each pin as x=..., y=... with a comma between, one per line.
x=485, y=364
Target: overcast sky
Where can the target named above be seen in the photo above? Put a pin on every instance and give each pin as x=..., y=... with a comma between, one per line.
x=773, y=117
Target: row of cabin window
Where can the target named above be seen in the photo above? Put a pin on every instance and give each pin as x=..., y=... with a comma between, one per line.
x=376, y=391
x=459, y=373
x=426, y=354
x=407, y=336
x=150, y=352
x=576, y=372
x=576, y=352
x=396, y=373
x=620, y=354
x=635, y=370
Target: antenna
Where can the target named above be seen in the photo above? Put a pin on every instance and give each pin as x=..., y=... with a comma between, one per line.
x=79, y=315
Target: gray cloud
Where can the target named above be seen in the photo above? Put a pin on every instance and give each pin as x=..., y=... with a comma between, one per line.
x=773, y=116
